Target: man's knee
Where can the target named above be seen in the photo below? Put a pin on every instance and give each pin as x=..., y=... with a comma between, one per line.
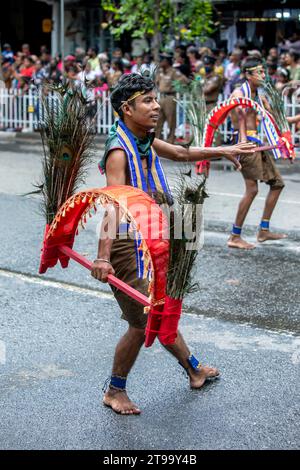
x=252, y=191
x=137, y=333
x=277, y=185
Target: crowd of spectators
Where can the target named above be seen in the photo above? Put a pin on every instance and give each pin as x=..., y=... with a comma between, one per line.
x=22, y=69
x=220, y=72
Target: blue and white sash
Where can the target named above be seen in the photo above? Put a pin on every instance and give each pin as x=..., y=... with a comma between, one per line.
x=156, y=177
x=156, y=181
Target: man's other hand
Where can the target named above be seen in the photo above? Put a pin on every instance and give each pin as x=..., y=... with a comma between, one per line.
x=233, y=151
x=101, y=270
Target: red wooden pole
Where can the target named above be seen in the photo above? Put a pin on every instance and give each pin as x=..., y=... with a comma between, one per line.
x=113, y=280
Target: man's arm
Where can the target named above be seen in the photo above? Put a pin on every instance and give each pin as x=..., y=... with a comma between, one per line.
x=115, y=175
x=178, y=153
x=211, y=85
x=239, y=115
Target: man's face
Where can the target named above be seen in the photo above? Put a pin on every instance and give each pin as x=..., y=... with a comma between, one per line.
x=257, y=76
x=273, y=52
x=91, y=53
x=144, y=111
x=288, y=59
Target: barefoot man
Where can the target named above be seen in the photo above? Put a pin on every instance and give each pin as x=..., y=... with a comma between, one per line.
x=257, y=167
x=135, y=100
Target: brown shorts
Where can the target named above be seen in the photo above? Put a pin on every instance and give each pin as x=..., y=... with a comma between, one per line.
x=261, y=167
x=124, y=263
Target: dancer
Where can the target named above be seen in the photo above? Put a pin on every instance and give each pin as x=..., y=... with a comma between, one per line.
x=130, y=158
x=257, y=167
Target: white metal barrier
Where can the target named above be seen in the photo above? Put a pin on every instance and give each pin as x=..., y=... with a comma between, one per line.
x=25, y=112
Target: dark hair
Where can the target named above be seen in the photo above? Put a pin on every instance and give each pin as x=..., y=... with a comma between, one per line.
x=209, y=60
x=293, y=54
x=126, y=87
x=284, y=72
x=272, y=65
x=118, y=63
x=250, y=62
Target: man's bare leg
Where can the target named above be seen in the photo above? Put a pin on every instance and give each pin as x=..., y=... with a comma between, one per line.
x=270, y=204
x=236, y=241
x=197, y=378
x=126, y=352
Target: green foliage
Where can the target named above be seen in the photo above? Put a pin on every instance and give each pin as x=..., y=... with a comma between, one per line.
x=152, y=16
x=197, y=14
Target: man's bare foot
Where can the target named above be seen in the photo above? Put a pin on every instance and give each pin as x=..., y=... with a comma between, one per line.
x=264, y=235
x=120, y=403
x=238, y=242
x=197, y=379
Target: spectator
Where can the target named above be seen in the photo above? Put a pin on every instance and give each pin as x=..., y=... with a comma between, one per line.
x=219, y=66
x=79, y=54
x=165, y=83
x=273, y=55
x=93, y=58
x=183, y=64
x=212, y=83
x=254, y=53
x=101, y=86
x=117, y=72
x=232, y=71
x=7, y=54
x=26, y=50
x=54, y=73
x=272, y=71
x=282, y=62
x=71, y=73
x=86, y=73
x=117, y=53
x=194, y=58
x=24, y=84
x=39, y=74
x=282, y=79
x=293, y=65
x=28, y=67
x=7, y=74
x=136, y=63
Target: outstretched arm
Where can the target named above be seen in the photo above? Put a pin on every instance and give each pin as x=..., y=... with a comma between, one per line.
x=178, y=153
x=238, y=116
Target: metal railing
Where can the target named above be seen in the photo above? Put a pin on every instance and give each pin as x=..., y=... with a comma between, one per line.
x=25, y=112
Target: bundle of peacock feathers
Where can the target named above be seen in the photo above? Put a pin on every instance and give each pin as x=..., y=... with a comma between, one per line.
x=67, y=137
x=186, y=224
x=276, y=103
x=195, y=108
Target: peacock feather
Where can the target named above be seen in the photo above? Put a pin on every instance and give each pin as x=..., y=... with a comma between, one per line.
x=195, y=108
x=185, y=214
x=276, y=103
x=67, y=144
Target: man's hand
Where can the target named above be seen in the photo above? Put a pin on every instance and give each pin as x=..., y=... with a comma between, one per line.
x=231, y=152
x=101, y=270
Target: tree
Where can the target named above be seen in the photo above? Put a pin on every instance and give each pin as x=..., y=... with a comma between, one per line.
x=155, y=19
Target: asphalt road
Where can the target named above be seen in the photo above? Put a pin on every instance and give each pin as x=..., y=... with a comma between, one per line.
x=58, y=333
